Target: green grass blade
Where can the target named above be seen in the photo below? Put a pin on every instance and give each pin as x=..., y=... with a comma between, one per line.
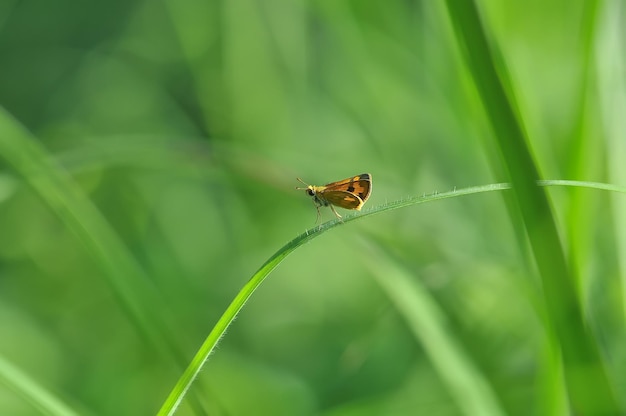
x=588, y=387
x=182, y=386
x=184, y=382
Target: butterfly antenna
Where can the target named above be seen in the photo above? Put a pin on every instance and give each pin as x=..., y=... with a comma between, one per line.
x=302, y=182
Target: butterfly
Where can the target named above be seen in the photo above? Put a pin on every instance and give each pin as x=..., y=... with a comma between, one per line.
x=350, y=193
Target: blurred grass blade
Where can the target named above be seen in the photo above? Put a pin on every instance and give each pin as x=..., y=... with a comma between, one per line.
x=472, y=391
x=612, y=60
x=588, y=387
x=32, y=392
x=127, y=279
x=582, y=184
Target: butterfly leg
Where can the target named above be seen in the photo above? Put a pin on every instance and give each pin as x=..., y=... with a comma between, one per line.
x=317, y=207
x=336, y=213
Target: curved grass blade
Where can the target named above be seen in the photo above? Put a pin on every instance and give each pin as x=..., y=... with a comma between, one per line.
x=187, y=378
x=184, y=383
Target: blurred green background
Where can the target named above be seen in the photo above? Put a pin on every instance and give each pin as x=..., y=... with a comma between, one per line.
x=158, y=174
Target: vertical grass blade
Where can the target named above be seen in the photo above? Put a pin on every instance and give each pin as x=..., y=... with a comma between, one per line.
x=587, y=385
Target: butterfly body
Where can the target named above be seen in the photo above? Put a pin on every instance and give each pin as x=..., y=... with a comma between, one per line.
x=350, y=193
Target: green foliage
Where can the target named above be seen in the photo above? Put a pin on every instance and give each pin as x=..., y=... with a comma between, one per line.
x=148, y=155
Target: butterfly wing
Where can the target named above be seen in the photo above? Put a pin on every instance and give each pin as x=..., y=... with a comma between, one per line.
x=344, y=199
x=363, y=186
x=360, y=185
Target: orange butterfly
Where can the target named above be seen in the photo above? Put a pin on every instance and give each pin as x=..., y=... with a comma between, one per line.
x=349, y=193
